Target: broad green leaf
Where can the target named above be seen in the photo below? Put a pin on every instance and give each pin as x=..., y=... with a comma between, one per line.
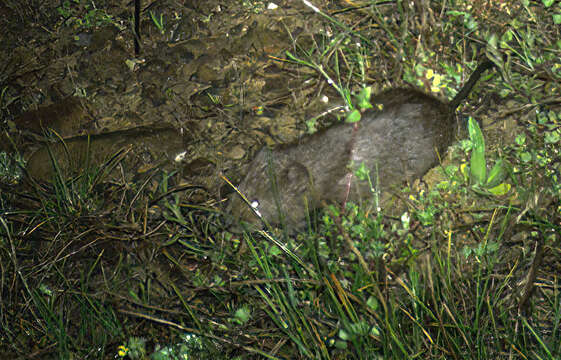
x=477, y=162
x=353, y=116
x=496, y=175
x=500, y=190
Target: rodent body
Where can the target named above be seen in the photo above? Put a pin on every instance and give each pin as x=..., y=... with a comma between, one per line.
x=400, y=142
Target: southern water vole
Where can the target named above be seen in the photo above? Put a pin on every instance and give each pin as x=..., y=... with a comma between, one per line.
x=401, y=141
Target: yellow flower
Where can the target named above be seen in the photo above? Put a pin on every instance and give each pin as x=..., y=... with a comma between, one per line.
x=122, y=350
x=429, y=74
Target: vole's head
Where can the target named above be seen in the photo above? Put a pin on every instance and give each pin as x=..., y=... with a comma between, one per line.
x=277, y=192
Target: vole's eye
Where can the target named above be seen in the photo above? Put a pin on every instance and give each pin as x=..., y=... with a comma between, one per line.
x=254, y=204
